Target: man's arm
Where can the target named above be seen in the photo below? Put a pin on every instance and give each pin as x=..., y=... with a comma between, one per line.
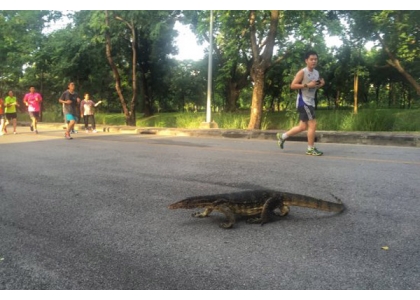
x=25, y=100
x=321, y=82
x=13, y=102
x=297, y=81
x=82, y=108
x=62, y=101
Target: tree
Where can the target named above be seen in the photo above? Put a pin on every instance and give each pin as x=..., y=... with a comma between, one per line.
x=397, y=32
x=261, y=62
x=231, y=50
x=137, y=43
x=20, y=40
x=130, y=114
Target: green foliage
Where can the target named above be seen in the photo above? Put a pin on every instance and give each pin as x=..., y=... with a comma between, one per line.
x=77, y=53
x=339, y=120
x=335, y=120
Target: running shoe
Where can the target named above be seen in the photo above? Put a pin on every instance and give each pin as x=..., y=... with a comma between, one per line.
x=280, y=141
x=67, y=136
x=314, y=151
x=31, y=127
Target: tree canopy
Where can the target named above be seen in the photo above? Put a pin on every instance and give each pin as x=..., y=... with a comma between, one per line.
x=125, y=59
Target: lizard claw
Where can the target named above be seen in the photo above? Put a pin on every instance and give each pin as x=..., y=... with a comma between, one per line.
x=225, y=225
x=198, y=215
x=253, y=220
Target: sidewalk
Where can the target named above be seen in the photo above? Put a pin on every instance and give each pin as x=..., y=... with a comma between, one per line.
x=405, y=139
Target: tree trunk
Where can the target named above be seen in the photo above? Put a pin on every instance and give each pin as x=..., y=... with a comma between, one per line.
x=115, y=71
x=394, y=62
x=261, y=62
x=337, y=100
x=257, y=100
x=232, y=96
x=147, y=103
x=131, y=119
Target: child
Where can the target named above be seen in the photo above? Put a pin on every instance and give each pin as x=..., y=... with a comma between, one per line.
x=87, y=112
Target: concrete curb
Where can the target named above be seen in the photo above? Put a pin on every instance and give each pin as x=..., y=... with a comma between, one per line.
x=405, y=139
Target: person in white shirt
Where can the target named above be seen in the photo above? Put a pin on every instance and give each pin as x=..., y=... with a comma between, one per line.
x=87, y=112
x=306, y=81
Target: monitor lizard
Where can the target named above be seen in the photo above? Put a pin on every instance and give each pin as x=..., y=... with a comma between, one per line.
x=258, y=204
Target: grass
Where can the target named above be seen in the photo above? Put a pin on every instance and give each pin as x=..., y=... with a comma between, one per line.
x=340, y=120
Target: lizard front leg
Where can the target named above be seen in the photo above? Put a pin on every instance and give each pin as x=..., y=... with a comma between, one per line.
x=202, y=214
x=223, y=208
x=267, y=210
x=284, y=210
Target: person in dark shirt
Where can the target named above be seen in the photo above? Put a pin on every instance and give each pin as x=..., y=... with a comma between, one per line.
x=70, y=100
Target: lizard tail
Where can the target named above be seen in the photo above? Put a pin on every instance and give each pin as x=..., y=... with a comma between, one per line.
x=310, y=202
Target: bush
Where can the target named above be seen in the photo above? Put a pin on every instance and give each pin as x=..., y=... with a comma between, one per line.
x=340, y=120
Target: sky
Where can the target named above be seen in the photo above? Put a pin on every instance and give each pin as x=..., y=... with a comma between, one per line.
x=187, y=44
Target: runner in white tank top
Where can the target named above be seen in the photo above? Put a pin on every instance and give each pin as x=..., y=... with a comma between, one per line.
x=306, y=81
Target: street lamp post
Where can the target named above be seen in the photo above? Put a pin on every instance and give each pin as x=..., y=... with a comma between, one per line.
x=208, y=123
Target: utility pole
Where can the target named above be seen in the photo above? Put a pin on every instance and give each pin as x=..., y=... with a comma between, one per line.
x=208, y=123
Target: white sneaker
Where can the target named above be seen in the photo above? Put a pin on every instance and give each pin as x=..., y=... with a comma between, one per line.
x=87, y=131
x=94, y=131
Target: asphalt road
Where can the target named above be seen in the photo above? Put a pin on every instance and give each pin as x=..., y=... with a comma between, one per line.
x=91, y=213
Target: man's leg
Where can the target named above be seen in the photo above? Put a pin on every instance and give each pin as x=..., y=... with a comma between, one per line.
x=35, y=121
x=70, y=124
x=14, y=122
x=86, y=119
x=2, y=123
x=311, y=132
x=92, y=118
x=311, y=139
x=32, y=123
x=295, y=130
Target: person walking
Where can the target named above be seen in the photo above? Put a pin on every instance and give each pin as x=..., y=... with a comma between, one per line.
x=10, y=111
x=70, y=100
x=87, y=108
x=306, y=81
x=33, y=101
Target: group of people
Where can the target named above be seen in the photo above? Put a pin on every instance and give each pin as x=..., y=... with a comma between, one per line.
x=69, y=99
x=306, y=81
x=8, y=113
x=8, y=110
